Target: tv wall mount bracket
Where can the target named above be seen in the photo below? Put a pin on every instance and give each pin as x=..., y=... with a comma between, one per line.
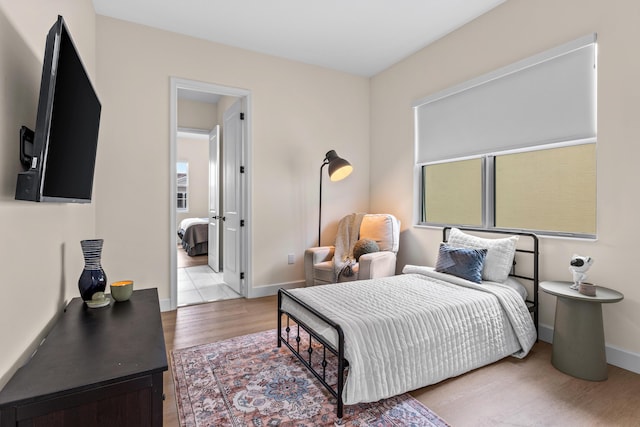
x=26, y=148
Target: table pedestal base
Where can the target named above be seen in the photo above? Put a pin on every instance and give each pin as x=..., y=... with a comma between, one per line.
x=578, y=339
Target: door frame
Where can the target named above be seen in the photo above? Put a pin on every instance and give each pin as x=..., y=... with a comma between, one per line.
x=213, y=256
x=245, y=240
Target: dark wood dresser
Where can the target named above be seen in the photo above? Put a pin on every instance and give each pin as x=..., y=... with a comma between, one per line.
x=97, y=367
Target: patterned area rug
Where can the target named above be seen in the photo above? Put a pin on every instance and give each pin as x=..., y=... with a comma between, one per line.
x=248, y=381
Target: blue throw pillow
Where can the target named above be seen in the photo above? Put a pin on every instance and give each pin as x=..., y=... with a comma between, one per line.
x=462, y=262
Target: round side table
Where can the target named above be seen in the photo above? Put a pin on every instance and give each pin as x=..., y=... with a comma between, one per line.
x=578, y=333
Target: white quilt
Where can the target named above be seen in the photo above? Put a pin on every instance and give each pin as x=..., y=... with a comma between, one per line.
x=187, y=222
x=408, y=331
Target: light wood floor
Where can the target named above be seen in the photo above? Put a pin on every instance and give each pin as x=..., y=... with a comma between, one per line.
x=511, y=392
x=185, y=260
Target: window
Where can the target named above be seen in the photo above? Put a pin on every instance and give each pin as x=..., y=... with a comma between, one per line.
x=513, y=149
x=547, y=190
x=182, y=186
x=462, y=178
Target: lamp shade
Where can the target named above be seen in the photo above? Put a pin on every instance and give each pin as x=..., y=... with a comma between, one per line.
x=338, y=168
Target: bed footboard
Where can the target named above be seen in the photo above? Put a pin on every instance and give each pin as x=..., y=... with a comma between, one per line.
x=299, y=347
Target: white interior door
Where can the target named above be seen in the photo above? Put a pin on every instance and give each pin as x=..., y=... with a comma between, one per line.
x=214, y=199
x=232, y=145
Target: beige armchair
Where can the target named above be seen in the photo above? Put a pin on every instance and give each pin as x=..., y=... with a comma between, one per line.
x=384, y=229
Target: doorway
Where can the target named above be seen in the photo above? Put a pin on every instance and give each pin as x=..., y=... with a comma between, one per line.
x=229, y=220
x=197, y=187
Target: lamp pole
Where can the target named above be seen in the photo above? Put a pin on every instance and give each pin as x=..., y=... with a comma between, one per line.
x=324, y=163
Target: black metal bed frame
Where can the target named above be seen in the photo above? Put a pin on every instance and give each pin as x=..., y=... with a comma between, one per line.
x=532, y=304
x=342, y=363
x=294, y=342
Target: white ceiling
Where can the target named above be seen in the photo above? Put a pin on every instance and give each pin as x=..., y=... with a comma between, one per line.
x=362, y=37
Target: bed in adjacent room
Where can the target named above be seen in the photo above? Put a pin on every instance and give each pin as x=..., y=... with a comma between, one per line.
x=400, y=333
x=194, y=235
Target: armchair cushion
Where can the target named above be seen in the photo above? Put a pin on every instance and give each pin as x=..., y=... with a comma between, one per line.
x=377, y=264
x=324, y=273
x=314, y=259
x=384, y=229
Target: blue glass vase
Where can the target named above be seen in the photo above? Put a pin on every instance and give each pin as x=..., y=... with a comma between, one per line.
x=93, y=278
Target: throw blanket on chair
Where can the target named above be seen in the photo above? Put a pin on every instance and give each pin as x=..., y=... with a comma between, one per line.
x=348, y=234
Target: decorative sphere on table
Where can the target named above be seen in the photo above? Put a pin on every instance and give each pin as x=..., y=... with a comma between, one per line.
x=364, y=246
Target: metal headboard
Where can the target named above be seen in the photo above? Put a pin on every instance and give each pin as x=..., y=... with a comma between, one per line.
x=532, y=304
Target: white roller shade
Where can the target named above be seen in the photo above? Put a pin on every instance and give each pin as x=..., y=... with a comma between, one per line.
x=548, y=98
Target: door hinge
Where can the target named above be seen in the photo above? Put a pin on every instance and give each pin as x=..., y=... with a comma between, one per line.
x=241, y=116
x=241, y=276
x=241, y=169
x=242, y=223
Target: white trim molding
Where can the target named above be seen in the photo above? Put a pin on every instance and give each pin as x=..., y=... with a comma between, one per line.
x=268, y=290
x=177, y=83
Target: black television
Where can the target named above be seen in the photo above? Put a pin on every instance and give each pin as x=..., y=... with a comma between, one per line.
x=60, y=154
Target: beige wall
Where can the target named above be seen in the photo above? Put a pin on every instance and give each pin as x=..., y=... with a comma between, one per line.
x=298, y=113
x=197, y=115
x=41, y=259
x=195, y=151
x=513, y=31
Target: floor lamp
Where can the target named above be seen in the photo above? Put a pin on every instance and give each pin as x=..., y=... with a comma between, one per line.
x=338, y=169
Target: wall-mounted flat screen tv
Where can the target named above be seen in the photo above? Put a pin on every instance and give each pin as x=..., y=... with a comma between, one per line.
x=61, y=158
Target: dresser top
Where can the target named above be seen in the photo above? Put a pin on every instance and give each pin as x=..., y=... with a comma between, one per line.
x=89, y=347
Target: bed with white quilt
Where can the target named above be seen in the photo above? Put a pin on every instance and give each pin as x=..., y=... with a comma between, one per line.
x=395, y=334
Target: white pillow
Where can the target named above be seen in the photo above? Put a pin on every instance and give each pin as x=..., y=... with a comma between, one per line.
x=500, y=253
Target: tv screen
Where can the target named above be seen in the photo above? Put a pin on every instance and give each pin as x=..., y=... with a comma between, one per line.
x=67, y=123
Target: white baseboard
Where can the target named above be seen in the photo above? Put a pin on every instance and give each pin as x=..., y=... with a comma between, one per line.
x=165, y=304
x=265, y=291
x=615, y=356
x=261, y=291
x=545, y=333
